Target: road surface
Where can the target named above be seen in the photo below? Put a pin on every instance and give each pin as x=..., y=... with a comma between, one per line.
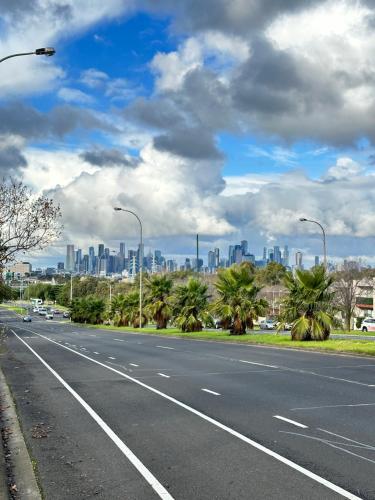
x=114, y=415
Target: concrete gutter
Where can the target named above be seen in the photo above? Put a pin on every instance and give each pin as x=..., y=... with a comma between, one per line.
x=21, y=472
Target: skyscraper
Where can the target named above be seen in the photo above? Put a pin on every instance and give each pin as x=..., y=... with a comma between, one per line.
x=69, y=263
x=91, y=264
x=244, y=246
x=286, y=256
x=217, y=257
x=299, y=260
x=316, y=260
x=265, y=254
x=277, y=254
x=100, y=249
x=122, y=249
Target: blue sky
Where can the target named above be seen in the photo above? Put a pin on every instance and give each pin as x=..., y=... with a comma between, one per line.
x=231, y=124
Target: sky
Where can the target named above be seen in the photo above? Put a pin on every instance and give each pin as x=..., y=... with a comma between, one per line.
x=227, y=119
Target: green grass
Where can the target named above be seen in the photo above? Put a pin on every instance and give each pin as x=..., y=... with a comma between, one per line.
x=17, y=309
x=332, y=345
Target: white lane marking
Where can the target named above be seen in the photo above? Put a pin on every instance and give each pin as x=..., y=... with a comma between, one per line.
x=92, y=335
x=118, y=340
x=291, y=421
x=165, y=347
x=369, y=446
x=110, y=357
x=211, y=392
x=141, y=468
x=133, y=364
x=331, y=406
x=96, y=352
x=259, y=364
x=225, y=428
x=163, y=375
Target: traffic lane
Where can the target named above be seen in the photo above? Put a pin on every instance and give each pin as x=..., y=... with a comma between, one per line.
x=74, y=459
x=194, y=458
x=259, y=395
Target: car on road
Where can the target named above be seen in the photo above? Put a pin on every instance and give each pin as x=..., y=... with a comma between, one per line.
x=56, y=311
x=42, y=313
x=49, y=316
x=368, y=325
x=268, y=324
x=66, y=315
x=27, y=319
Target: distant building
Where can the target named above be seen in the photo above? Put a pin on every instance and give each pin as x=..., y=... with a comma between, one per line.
x=285, y=260
x=244, y=246
x=299, y=264
x=316, y=260
x=60, y=266
x=19, y=269
x=70, y=258
x=122, y=249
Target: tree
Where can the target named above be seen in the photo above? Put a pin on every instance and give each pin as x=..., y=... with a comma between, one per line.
x=308, y=305
x=238, y=304
x=157, y=300
x=272, y=274
x=345, y=287
x=125, y=310
x=6, y=292
x=190, y=306
x=27, y=221
x=87, y=310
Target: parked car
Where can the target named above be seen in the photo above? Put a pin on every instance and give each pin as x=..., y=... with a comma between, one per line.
x=268, y=324
x=42, y=313
x=49, y=316
x=56, y=311
x=368, y=325
x=66, y=315
x=27, y=319
x=36, y=309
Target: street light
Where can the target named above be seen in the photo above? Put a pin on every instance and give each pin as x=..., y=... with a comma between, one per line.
x=119, y=209
x=303, y=219
x=44, y=51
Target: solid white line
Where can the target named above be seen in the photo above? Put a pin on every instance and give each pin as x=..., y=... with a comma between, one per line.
x=165, y=347
x=110, y=357
x=259, y=364
x=291, y=421
x=163, y=375
x=211, y=392
x=229, y=430
x=142, y=469
x=133, y=364
x=96, y=352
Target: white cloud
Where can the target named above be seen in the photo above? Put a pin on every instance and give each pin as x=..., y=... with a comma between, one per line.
x=75, y=95
x=344, y=169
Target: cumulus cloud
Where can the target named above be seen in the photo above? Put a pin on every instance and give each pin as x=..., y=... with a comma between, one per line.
x=74, y=95
x=107, y=157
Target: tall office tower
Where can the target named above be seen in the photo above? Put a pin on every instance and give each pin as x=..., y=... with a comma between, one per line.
x=211, y=260
x=69, y=262
x=106, y=253
x=316, y=260
x=231, y=255
x=271, y=255
x=286, y=256
x=187, y=264
x=60, y=266
x=237, y=254
x=244, y=246
x=277, y=254
x=78, y=256
x=217, y=257
x=158, y=257
x=85, y=264
x=122, y=249
x=100, y=249
x=91, y=268
x=265, y=254
x=299, y=260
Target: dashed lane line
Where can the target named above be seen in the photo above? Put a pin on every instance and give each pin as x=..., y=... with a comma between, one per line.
x=211, y=392
x=165, y=347
x=164, y=375
x=293, y=422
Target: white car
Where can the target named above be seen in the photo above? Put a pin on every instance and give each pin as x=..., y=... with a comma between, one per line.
x=268, y=324
x=368, y=325
x=49, y=316
x=36, y=309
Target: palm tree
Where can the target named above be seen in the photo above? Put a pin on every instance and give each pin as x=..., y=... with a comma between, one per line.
x=308, y=305
x=238, y=304
x=190, y=306
x=157, y=301
x=125, y=310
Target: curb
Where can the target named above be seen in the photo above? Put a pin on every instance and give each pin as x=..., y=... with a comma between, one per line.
x=22, y=470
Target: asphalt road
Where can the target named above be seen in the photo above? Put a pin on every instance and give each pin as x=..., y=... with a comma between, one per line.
x=129, y=416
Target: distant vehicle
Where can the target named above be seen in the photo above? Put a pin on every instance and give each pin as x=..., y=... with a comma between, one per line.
x=368, y=325
x=66, y=315
x=42, y=313
x=36, y=309
x=56, y=311
x=49, y=316
x=288, y=326
x=27, y=319
x=268, y=324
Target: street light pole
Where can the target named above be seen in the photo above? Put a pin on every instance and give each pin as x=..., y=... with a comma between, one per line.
x=303, y=219
x=119, y=209
x=71, y=287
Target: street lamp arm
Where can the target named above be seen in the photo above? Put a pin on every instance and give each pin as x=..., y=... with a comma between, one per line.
x=303, y=219
x=44, y=51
